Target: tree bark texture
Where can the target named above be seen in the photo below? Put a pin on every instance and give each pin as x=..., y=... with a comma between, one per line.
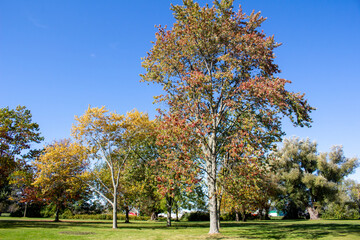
x=314, y=214
x=213, y=208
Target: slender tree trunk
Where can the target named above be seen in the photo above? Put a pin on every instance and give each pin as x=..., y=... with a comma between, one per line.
x=26, y=205
x=177, y=212
x=57, y=214
x=243, y=215
x=127, y=210
x=169, y=205
x=237, y=218
x=267, y=213
x=115, y=210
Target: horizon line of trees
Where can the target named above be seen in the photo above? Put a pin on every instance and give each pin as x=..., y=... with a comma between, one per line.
x=124, y=156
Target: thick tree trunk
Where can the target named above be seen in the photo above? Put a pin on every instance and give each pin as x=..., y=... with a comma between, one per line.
x=314, y=214
x=57, y=214
x=127, y=220
x=115, y=211
x=213, y=208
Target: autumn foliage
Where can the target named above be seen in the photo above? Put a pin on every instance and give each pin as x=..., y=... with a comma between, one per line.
x=58, y=172
x=218, y=73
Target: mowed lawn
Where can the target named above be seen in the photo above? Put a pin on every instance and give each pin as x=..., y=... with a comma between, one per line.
x=18, y=228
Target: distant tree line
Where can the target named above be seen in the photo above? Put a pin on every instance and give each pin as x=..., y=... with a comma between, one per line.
x=121, y=163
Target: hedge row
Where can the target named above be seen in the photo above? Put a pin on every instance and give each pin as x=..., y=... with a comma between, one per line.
x=121, y=217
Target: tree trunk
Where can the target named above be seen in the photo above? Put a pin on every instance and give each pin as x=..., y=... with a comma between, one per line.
x=219, y=198
x=115, y=210
x=314, y=214
x=57, y=214
x=243, y=215
x=169, y=205
x=261, y=215
x=213, y=208
x=153, y=216
x=267, y=213
x=26, y=204
x=177, y=213
x=127, y=220
x=237, y=216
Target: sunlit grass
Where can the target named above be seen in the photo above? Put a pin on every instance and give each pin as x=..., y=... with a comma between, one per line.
x=18, y=228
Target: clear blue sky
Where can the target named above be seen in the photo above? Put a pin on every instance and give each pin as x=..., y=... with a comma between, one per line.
x=57, y=57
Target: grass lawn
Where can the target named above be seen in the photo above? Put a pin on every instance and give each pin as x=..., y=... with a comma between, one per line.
x=29, y=228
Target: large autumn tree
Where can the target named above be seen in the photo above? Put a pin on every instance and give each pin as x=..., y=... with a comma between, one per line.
x=218, y=73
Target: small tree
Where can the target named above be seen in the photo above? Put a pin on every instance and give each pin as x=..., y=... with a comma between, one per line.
x=57, y=173
x=177, y=168
x=111, y=140
x=219, y=75
x=247, y=187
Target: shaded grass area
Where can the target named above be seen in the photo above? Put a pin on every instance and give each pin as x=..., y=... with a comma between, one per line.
x=17, y=228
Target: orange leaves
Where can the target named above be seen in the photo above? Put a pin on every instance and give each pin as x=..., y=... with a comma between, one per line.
x=224, y=102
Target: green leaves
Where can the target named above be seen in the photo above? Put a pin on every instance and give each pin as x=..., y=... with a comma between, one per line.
x=307, y=177
x=17, y=133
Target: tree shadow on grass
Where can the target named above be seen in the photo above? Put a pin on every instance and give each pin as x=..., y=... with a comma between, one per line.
x=283, y=230
x=248, y=230
x=19, y=223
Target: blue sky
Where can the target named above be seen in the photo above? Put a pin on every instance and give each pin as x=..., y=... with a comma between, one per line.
x=57, y=57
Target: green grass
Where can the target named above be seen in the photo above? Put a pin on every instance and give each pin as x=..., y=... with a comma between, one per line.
x=18, y=228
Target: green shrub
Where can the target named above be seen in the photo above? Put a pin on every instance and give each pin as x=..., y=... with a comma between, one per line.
x=198, y=216
x=340, y=211
x=67, y=214
x=120, y=217
x=48, y=210
x=228, y=216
